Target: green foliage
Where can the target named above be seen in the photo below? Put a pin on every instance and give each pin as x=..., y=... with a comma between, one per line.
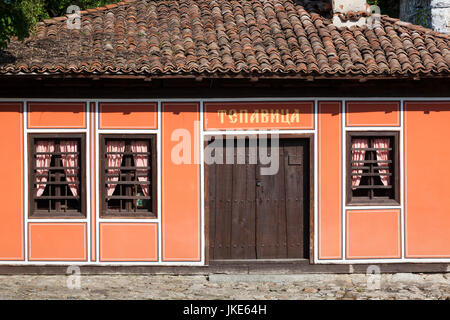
x=57, y=8
x=13, y=21
x=18, y=17
x=34, y=10
x=423, y=17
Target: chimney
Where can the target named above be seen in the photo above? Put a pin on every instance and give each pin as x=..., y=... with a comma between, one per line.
x=344, y=6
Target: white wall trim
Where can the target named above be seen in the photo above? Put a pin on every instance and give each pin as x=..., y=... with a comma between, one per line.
x=344, y=180
x=316, y=181
x=203, y=133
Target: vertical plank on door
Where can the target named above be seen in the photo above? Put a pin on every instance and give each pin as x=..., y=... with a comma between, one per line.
x=211, y=169
x=239, y=222
x=224, y=195
x=270, y=217
x=294, y=182
x=280, y=205
x=250, y=203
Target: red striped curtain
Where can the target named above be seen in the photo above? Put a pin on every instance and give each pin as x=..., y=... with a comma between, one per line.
x=141, y=160
x=382, y=155
x=358, y=155
x=43, y=161
x=70, y=161
x=114, y=160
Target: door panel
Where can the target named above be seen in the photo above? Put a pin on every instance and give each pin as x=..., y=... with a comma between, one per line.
x=270, y=213
x=255, y=216
x=224, y=188
x=294, y=172
x=243, y=208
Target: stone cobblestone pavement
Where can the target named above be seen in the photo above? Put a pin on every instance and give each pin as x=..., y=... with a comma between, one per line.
x=229, y=287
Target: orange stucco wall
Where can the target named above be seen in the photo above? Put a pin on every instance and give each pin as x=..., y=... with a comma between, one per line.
x=127, y=115
x=330, y=180
x=427, y=149
x=11, y=173
x=373, y=234
x=369, y=233
x=129, y=242
x=57, y=241
x=375, y=114
x=93, y=181
x=56, y=115
x=180, y=183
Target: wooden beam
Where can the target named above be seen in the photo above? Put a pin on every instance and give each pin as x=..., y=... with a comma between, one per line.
x=234, y=267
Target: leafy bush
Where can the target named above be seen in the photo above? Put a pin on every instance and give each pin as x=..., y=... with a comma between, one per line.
x=18, y=17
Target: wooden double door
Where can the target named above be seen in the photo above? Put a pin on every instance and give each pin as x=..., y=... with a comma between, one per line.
x=260, y=216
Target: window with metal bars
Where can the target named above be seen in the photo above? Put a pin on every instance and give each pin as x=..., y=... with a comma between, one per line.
x=128, y=175
x=56, y=165
x=373, y=168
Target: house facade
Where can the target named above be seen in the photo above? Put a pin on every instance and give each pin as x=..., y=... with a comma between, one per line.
x=147, y=137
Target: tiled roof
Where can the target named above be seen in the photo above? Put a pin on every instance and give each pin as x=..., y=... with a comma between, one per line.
x=227, y=37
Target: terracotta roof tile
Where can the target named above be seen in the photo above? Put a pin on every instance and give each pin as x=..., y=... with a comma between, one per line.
x=215, y=37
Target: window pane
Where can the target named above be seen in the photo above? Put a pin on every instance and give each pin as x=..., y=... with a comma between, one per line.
x=372, y=167
x=56, y=182
x=128, y=168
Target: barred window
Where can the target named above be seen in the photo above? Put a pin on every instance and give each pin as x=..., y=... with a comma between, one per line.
x=128, y=175
x=373, y=168
x=56, y=180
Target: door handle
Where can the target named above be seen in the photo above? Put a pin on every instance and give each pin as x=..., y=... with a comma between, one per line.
x=258, y=183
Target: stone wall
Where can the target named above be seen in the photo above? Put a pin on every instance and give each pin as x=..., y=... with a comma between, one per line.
x=433, y=14
x=440, y=15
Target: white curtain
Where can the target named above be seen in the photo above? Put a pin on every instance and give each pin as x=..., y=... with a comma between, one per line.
x=43, y=161
x=141, y=160
x=382, y=155
x=114, y=160
x=358, y=155
x=70, y=161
